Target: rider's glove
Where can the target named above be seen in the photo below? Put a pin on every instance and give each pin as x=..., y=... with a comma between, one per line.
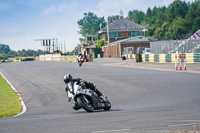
x=69, y=99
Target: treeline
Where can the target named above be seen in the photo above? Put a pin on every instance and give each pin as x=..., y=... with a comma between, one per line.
x=178, y=20
x=6, y=52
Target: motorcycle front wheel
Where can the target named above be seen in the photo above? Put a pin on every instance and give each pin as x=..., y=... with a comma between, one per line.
x=87, y=106
x=107, y=105
x=80, y=64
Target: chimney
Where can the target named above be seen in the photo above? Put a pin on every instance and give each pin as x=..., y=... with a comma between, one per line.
x=120, y=14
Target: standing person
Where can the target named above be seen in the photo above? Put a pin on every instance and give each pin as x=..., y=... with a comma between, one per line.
x=85, y=57
x=102, y=54
x=91, y=57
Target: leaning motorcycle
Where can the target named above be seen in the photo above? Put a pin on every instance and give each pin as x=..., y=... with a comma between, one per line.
x=80, y=60
x=87, y=99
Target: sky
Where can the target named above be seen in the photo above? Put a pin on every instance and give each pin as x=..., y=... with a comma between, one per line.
x=23, y=21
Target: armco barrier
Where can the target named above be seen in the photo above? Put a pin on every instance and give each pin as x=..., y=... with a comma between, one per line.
x=147, y=58
x=163, y=58
x=173, y=58
x=156, y=58
x=18, y=59
x=133, y=56
x=151, y=58
x=196, y=57
x=168, y=58
x=49, y=57
x=143, y=58
x=189, y=57
x=69, y=58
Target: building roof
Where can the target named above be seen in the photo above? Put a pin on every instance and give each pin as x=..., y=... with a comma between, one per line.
x=91, y=46
x=121, y=25
x=135, y=39
x=195, y=36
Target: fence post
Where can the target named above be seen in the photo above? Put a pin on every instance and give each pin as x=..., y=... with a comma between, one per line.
x=176, y=62
x=180, y=62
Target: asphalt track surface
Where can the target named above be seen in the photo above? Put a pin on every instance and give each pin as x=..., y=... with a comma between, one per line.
x=143, y=100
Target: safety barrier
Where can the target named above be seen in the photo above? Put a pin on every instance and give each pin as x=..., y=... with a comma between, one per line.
x=58, y=57
x=151, y=58
x=18, y=59
x=69, y=58
x=47, y=57
x=50, y=57
x=168, y=58
x=143, y=57
x=162, y=58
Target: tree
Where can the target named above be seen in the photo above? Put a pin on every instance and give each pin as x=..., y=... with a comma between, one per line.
x=178, y=9
x=112, y=18
x=4, y=48
x=77, y=49
x=148, y=16
x=38, y=52
x=81, y=40
x=136, y=16
x=90, y=24
x=196, y=24
x=192, y=17
x=12, y=53
x=178, y=20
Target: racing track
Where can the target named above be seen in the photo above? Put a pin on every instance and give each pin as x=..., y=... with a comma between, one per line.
x=142, y=100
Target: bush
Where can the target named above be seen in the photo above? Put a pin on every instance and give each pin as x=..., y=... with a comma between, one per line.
x=2, y=56
x=100, y=43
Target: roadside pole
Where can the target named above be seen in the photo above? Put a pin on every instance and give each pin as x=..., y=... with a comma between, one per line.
x=180, y=62
x=184, y=62
x=176, y=68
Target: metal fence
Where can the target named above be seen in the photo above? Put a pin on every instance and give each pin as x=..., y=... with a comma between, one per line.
x=173, y=46
x=128, y=50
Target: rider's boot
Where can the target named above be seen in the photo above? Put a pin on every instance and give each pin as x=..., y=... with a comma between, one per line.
x=76, y=106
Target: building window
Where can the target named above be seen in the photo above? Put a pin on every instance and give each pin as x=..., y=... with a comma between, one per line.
x=112, y=34
x=136, y=33
x=129, y=34
x=115, y=34
x=119, y=34
x=89, y=38
x=94, y=39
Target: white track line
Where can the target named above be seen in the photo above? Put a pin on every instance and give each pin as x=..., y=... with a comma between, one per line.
x=20, y=98
x=109, y=131
x=187, y=124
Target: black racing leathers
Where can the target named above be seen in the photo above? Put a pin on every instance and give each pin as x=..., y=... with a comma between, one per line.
x=83, y=82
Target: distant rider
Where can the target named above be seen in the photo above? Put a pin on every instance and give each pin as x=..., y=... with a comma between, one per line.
x=80, y=55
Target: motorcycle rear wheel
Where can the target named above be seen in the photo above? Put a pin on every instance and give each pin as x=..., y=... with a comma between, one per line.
x=86, y=106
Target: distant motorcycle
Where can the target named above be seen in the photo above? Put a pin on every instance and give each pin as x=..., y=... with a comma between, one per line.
x=87, y=99
x=80, y=60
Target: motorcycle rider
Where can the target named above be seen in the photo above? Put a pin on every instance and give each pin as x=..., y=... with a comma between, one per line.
x=69, y=81
x=79, y=55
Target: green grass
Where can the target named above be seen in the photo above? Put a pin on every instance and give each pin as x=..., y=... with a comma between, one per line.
x=9, y=100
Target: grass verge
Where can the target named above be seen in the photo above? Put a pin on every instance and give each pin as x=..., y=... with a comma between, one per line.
x=9, y=100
